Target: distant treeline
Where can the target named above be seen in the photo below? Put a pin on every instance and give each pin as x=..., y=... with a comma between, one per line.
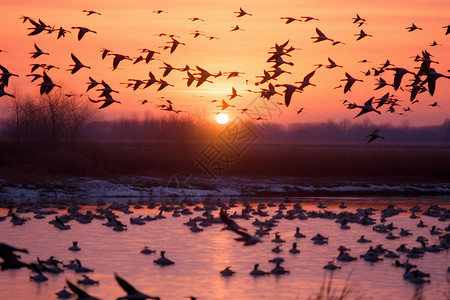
x=189, y=129
x=61, y=135
x=57, y=118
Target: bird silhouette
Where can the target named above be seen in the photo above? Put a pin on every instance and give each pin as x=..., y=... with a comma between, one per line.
x=321, y=36
x=374, y=135
x=288, y=92
x=82, y=31
x=132, y=292
x=77, y=66
x=366, y=108
x=241, y=13
x=350, y=81
x=38, y=52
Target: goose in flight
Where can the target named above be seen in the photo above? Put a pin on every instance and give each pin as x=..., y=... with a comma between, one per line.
x=106, y=102
x=225, y=105
x=367, y=107
x=150, y=54
x=106, y=90
x=373, y=136
x=163, y=84
x=175, y=44
x=288, y=92
x=104, y=52
x=362, y=34
x=167, y=69
x=332, y=64
x=38, y=52
x=159, y=11
x=197, y=33
x=204, y=75
x=132, y=292
x=432, y=76
x=321, y=36
x=47, y=84
x=118, y=58
x=236, y=28
x=381, y=83
x=234, y=94
x=82, y=295
x=399, y=73
x=91, y=12
x=62, y=32
x=350, y=81
x=309, y=19
x=77, y=66
x=5, y=75
x=241, y=13
x=196, y=19
x=448, y=29
x=150, y=81
x=82, y=31
x=10, y=259
x=305, y=81
x=413, y=27
x=358, y=19
x=92, y=84
x=233, y=226
x=191, y=78
x=38, y=27
x=290, y=20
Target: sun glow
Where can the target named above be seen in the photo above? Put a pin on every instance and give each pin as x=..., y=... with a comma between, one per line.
x=222, y=118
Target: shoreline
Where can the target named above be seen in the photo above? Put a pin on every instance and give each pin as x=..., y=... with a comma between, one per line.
x=189, y=187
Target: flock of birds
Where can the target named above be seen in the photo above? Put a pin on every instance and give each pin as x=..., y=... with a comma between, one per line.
x=227, y=214
x=422, y=80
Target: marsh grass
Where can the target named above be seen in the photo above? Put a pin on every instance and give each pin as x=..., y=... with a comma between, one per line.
x=327, y=292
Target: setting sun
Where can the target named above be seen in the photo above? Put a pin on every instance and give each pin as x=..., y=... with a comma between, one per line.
x=222, y=118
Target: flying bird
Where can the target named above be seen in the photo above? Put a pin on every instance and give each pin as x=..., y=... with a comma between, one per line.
x=241, y=13
x=321, y=36
x=309, y=19
x=290, y=20
x=10, y=259
x=448, y=29
x=350, y=81
x=38, y=27
x=367, y=107
x=362, y=34
x=413, y=27
x=305, y=81
x=245, y=237
x=332, y=64
x=234, y=94
x=374, y=135
x=82, y=295
x=432, y=76
x=196, y=19
x=77, y=66
x=288, y=92
x=38, y=52
x=91, y=12
x=236, y=28
x=5, y=75
x=132, y=292
x=399, y=73
x=118, y=58
x=82, y=31
x=225, y=105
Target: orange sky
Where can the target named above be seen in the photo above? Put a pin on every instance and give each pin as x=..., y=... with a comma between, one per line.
x=130, y=25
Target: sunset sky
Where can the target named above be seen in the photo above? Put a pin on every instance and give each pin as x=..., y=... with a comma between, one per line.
x=126, y=26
